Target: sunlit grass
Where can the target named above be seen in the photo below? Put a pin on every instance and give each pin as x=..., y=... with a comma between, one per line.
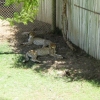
x=20, y=81
x=4, y=47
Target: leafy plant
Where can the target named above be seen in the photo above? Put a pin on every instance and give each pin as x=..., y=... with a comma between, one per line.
x=28, y=11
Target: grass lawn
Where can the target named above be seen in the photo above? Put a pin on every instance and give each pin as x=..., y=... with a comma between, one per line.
x=19, y=82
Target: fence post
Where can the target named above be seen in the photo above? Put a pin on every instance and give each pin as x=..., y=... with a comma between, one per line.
x=53, y=26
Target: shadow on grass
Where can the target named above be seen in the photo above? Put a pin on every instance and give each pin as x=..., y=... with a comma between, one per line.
x=1, y=53
x=18, y=62
x=77, y=73
x=80, y=65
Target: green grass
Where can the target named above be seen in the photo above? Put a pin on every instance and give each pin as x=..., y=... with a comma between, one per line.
x=21, y=82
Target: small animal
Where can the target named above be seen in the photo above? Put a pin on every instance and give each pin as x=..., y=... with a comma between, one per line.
x=33, y=54
x=32, y=31
x=25, y=33
x=29, y=33
x=36, y=40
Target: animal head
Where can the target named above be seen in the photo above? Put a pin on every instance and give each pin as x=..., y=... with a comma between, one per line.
x=52, y=45
x=52, y=48
x=32, y=52
x=32, y=34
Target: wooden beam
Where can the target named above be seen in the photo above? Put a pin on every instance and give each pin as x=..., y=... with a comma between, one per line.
x=53, y=27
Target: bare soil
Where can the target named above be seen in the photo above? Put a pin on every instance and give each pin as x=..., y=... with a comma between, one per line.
x=79, y=64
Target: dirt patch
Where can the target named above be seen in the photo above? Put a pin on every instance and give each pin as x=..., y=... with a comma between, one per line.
x=79, y=64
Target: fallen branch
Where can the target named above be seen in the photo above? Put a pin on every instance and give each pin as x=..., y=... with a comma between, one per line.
x=70, y=46
x=65, y=26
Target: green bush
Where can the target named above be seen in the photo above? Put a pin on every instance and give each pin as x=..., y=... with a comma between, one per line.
x=28, y=11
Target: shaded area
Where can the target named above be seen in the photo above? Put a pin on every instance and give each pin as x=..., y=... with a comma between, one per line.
x=18, y=38
x=80, y=65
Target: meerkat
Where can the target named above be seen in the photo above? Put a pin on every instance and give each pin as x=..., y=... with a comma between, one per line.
x=36, y=40
x=28, y=32
x=25, y=33
x=33, y=54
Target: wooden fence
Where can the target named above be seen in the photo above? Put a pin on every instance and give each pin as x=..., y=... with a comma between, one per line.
x=80, y=22
x=84, y=25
